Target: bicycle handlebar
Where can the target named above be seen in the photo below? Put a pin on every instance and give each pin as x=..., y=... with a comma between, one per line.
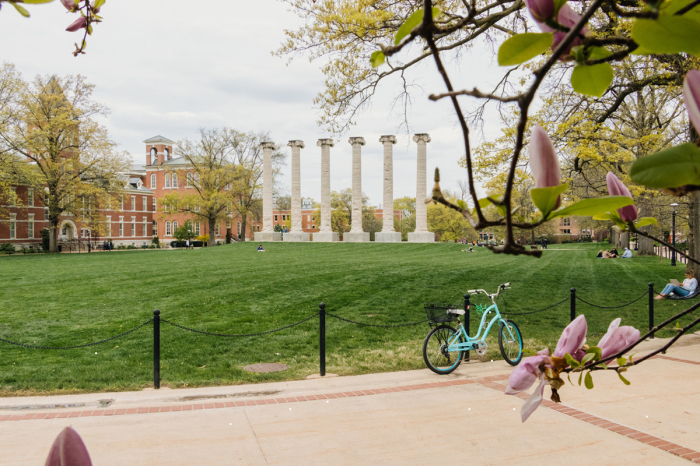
x=503, y=286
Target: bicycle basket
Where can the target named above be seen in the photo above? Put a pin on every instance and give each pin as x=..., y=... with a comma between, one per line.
x=437, y=313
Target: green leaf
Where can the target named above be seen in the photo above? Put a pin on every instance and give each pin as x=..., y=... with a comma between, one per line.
x=621, y=361
x=597, y=53
x=411, y=22
x=377, y=58
x=568, y=376
x=462, y=205
x=642, y=51
x=587, y=358
x=571, y=361
x=644, y=221
x=604, y=366
x=546, y=198
x=580, y=377
x=523, y=47
x=99, y=3
x=558, y=4
x=624, y=380
x=594, y=206
x=668, y=34
x=670, y=8
x=611, y=216
x=670, y=168
x=592, y=80
x=596, y=351
x=21, y=10
x=588, y=381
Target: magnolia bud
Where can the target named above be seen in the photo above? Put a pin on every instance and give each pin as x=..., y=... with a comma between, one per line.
x=77, y=24
x=617, y=188
x=541, y=10
x=691, y=95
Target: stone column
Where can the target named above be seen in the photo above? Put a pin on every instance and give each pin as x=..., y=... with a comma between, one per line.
x=421, y=235
x=267, y=233
x=388, y=234
x=356, y=234
x=296, y=234
x=325, y=232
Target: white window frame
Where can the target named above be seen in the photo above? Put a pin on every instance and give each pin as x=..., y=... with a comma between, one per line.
x=109, y=225
x=155, y=228
x=145, y=228
x=30, y=197
x=145, y=203
x=218, y=229
x=197, y=227
x=133, y=203
x=155, y=205
x=174, y=178
x=121, y=202
x=133, y=226
x=167, y=181
x=174, y=226
x=189, y=183
x=13, y=226
x=239, y=228
x=30, y=226
x=168, y=230
x=153, y=181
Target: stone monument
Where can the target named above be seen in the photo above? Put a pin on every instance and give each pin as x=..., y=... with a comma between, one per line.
x=267, y=234
x=388, y=234
x=421, y=234
x=296, y=233
x=356, y=234
x=325, y=233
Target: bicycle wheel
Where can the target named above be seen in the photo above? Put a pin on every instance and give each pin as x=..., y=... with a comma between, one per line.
x=435, y=353
x=510, y=340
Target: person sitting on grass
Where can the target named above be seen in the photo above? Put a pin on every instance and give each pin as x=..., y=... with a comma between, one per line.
x=627, y=254
x=614, y=252
x=260, y=248
x=689, y=285
x=600, y=254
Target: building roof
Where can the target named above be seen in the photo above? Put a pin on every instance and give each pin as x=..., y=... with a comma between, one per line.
x=159, y=138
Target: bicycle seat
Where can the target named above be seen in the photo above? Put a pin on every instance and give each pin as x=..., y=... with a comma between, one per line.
x=458, y=312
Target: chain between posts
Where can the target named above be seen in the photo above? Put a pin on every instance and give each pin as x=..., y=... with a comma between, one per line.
x=376, y=325
x=613, y=307
x=239, y=335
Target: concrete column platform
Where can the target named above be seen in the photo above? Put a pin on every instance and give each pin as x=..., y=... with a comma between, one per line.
x=326, y=237
x=421, y=237
x=351, y=237
x=296, y=237
x=267, y=236
x=387, y=237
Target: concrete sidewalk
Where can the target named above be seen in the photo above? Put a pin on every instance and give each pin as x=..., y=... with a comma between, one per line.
x=413, y=417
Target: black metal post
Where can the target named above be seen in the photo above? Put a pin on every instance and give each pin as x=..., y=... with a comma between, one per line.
x=573, y=304
x=156, y=349
x=466, y=320
x=651, y=308
x=673, y=232
x=322, y=336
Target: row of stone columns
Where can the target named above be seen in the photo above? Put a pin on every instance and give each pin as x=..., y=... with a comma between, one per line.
x=356, y=234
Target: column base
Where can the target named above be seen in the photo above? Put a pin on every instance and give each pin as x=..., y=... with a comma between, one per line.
x=421, y=237
x=387, y=237
x=267, y=236
x=358, y=237
x=326, y=237
x=296, y=237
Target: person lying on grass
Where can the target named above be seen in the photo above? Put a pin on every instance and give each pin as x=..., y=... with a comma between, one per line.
x=260, y=248
x=689, y=285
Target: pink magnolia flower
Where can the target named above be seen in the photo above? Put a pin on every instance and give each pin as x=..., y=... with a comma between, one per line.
x=68, y=450
x=523, y=376
x=691, y=95
x=572, y=338
x=544, y=162
x=69, y=4
x=617, y=338
x=541, y=10
x=567, y=17
x=617, y=188
x=77, y=24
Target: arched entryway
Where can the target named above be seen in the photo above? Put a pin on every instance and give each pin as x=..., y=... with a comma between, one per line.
x=67, y=231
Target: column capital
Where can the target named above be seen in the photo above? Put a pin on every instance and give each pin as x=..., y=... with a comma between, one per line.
x=388, y=138
x=296, y=143
x=268, y=145
x=358, y=140
x=421, y=137
x=325, y=142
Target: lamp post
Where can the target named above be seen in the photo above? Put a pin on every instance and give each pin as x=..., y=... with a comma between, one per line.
x=673, y=234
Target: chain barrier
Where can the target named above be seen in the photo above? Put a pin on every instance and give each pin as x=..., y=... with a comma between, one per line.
x=78, y=346
x=376, y=325
x=535, y=312
x=241, y=335
x=612, y=307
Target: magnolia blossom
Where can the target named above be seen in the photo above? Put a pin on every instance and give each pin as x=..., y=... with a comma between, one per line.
x=691, y=95
x=617, y=338
x=572, y=338
x=69, y=4
x=567, y=17
x=77, y=24
x=544, y=162
x=541, y=10
x=617, y=188
x=68, y=450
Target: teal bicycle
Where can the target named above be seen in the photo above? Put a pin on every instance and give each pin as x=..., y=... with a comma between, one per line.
x=445, y=347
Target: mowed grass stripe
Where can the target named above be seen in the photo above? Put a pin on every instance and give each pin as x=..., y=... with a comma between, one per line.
x=57, y=300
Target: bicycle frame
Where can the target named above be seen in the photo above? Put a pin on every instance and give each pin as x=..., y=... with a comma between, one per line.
x=471, y=342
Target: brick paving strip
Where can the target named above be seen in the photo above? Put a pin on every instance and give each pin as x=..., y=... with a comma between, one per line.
x=489, y=382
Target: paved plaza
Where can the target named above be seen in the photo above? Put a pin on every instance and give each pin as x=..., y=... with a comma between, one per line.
x=401, y=418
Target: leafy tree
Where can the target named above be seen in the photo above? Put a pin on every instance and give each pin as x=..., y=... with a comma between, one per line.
x=449, y=224
x=370, y=222
x=407, y=224
x=184, y=232
x=49, y=127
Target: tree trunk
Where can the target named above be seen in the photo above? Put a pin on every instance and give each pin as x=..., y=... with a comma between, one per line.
x=694, y=235
x=646, y=245
x=212, y=232
x=243, y=227
x=624, y=241
x=53, y=234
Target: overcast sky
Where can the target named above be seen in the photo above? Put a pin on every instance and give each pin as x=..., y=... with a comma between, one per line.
x=168, y=67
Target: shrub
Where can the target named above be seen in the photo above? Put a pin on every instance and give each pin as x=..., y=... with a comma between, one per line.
x=156, y=241
x=7, y=248
x=203, y=238
x=45, y=239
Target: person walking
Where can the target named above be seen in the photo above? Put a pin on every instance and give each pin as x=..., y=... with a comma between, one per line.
x=187, y=243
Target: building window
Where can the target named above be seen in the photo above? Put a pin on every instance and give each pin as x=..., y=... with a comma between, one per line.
x=174, y=227
x=166, y=154
x=167, y=228
x=275, y=218
x=121, y=227
x=167, y=181
x=196, y=178
x=567, y=222
x=109, y=226
x=154, y=205
x=30, y=226
x=143, y=233
x=133, y=226
x=218, y=231
x=30, y=197
x=155, y=228
x=239, y=228
x=121, y=202
x=13, y=226
x=144, y=203
x=189, y=180
x=174, y=180
x=133, y=202
x=196, y=228
x=13, y=196
x=153, y=181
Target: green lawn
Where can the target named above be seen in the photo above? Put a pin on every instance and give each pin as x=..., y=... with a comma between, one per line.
x=58, y=300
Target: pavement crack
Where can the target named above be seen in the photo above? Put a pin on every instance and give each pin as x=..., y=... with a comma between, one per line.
x=256, y=435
